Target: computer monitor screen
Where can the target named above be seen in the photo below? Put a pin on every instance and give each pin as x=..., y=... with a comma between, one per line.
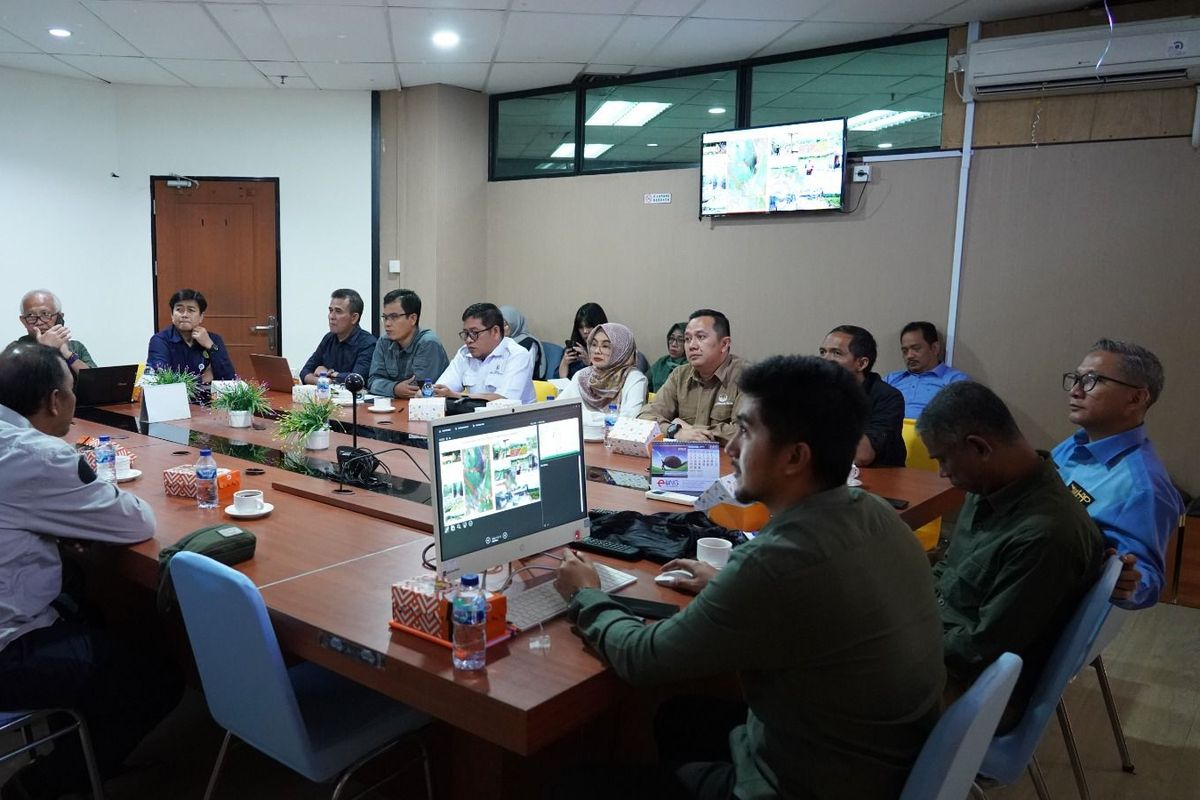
x=507, y=484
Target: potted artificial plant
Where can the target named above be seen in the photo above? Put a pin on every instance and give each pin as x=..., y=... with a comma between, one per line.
x=242, y=400
x=308, y=422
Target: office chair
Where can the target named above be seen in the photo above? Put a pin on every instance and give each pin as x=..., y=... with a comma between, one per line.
x=544, y=390
x=918, y=458
x=951, y=756
x=1012, y=753
x=314, y=721
x=24, y=722
x=554, y=354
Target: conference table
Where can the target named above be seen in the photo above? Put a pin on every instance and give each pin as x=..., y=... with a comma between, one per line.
x=326, y=560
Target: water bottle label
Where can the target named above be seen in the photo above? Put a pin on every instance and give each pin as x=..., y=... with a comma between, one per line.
x=427, y=389
x=206, y=473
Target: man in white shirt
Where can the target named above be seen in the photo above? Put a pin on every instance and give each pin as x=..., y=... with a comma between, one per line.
x=50, y=657
x=489, y=365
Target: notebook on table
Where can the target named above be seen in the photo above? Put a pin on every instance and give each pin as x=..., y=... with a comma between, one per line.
x=101, y=386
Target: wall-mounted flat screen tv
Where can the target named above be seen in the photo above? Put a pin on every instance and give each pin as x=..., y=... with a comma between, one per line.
x=795, y=167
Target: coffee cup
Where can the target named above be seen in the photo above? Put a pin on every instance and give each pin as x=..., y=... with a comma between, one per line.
x=123, y=464
x=382, y=403
x=713, y=551
x=248, y=501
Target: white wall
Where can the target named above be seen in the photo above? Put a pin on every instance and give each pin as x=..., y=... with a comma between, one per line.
x=71, y=227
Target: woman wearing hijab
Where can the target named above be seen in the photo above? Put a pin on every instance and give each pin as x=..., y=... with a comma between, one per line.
x=612, y=376
x=675, y=357
x=514, y=328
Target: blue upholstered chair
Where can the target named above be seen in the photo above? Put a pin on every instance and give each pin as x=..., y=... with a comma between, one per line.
x=314, y=721
x=948, y=762
x=24, y=721
x=1012, y=753
x=554, y=354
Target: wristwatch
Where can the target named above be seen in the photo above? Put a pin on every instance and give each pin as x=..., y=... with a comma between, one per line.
x=673, y=429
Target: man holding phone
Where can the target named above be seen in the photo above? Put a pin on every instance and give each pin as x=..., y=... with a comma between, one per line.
x=406, y=354
x=41, y=314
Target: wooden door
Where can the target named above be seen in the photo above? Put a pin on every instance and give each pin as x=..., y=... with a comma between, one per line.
x=220, y=237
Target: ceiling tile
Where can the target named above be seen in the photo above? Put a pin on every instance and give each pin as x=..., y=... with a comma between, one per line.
x=37, y=62
x=468, y=76
x=478, y=31
x=327, y=33
x=515, y=77
x=787, y=10
x=989, y=10
x=635, y=39
x=165, y=30
x=706, y=41
x=293, y=72
x=252, y=31
x=575, y=6
x=497, y=5
x=616, y=70
x=555, y=37
x=216, y=74
x=122, y=69
x=380, y=76
x=30, y=19
x=873, y=11
x=813, y=35
x=665, y=8
x=324, y=2
x=13, y=44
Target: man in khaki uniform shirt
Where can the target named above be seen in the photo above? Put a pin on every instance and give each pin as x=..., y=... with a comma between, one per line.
x=700, y=398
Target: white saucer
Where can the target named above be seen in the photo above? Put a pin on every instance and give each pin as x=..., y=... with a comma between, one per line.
x=129, y=475
x=232, y=511
x=854, y=482
x=375, y=410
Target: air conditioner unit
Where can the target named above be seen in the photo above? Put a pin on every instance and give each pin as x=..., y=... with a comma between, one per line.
x=1131, y=55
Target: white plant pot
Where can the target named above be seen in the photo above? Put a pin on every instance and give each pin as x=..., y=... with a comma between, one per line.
x=239, y=419
x=318, y=440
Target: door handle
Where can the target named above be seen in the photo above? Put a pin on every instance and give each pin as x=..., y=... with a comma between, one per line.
x=262, y=327
x=272, y=331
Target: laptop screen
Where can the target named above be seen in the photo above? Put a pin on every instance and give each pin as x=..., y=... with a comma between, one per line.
x=684, y=466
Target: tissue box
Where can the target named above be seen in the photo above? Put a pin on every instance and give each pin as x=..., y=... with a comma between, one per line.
x=501, y=402
x=181, y=482
x=426, y=408
x=632, y=437
x=221, y=387
x=302, y=391
x=723, y=508
x=86, y=446
x=421, y=605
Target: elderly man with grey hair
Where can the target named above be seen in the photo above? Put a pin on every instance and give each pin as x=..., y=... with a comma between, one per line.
x=41, y=314
x=1111, y=467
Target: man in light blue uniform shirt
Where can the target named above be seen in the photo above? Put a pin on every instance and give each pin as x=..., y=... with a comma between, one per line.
x=926, y=375
x=1111, y=467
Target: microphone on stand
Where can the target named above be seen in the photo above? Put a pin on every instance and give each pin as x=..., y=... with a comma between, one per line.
x=354, y=384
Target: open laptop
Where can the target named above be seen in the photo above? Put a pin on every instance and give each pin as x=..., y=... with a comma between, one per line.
x=101, y=386
x=681, y=471
x=273, y=371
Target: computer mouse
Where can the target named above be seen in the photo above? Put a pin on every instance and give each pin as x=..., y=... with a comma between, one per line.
x=670, y=576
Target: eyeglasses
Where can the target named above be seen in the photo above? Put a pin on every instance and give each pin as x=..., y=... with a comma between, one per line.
x=674, y=340
x=1088, y=382
x=393, y=317
x=470, y=336
x=42, y=317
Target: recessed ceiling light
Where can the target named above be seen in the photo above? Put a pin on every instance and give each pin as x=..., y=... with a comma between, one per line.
x=881, y=119
x=61, y=33
x=589, y=150
x=626, y=114
x=445, y=39
x=716, y=110
x=884, y=145
x=651, y=144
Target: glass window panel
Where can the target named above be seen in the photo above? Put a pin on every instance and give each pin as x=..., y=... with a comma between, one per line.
x=902, y=77
x=661, y=136
x=529, y=130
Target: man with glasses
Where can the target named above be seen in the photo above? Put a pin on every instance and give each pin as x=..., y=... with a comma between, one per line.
x=41, y=314
x=406, y=355
x=347, y=347
x=1111, y=467
x=489, y=365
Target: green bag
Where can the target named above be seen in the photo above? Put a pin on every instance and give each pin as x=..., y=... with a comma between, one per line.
x=228, y=543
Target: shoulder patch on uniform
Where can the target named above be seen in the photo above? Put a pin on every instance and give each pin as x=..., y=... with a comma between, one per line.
x=86, y=473
x=1081, y=494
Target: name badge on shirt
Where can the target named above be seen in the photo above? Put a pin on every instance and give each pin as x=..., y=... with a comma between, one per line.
x=1081, y=494
x=722, y=399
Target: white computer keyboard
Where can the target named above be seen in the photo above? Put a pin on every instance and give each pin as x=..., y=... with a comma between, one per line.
x=531, y=607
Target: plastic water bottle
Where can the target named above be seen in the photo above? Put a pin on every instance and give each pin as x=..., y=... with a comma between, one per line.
x=106, y=460
x=323, y=391
x=206, y=480
x=427, y=388
x=610, y=420
x=470, y=624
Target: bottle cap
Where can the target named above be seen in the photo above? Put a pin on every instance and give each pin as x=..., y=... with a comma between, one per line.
x=470, y=579
x=103, y=439
x=205, y=452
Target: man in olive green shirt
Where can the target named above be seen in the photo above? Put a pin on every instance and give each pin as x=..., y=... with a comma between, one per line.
x=827, y=616
x=1024, y=551
x=700, y=398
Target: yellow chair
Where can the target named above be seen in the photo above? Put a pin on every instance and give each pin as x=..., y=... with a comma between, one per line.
x=544, y=390
x=918, y=458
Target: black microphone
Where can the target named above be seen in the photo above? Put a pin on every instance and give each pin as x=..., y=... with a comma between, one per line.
x=352, y=470
x=354, y=384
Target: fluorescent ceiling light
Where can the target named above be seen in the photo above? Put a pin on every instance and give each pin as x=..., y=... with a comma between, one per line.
x=879, y=120
x=61, y=33
x=626, y=114
x=589, y=150
x=651, y=144
x=884, y=145
x=716, y=110
x=445, y=39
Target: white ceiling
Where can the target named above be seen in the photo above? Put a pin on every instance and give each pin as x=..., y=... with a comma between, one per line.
x=506, y=45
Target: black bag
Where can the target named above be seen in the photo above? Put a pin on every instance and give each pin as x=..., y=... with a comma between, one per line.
x=663, y=536
x=227, y=543
x=464, y=405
